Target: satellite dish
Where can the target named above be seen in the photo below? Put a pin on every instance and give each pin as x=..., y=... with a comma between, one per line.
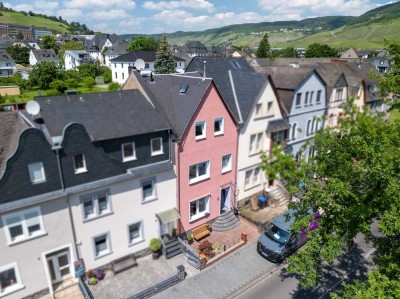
x=33, y=108
x=139, y=64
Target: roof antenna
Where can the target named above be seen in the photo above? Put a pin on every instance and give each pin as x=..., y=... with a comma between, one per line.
x=204, y=70
x=151, y=77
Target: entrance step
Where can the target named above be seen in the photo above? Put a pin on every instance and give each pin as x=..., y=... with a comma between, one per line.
x=279, y=195
x=225, y=222
x=172, y=248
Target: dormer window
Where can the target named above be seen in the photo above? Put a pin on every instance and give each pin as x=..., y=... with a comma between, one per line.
x=79, y=163
x=128, y=152
x=156, y=146
x=36, y=173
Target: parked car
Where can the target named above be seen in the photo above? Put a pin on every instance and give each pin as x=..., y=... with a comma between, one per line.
x=276, y=243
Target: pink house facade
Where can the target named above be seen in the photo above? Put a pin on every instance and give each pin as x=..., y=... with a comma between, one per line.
x=206, y=165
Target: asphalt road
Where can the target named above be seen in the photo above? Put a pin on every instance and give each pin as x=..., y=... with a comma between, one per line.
x=355, y=263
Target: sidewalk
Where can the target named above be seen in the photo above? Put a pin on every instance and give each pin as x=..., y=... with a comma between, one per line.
x=223, y=278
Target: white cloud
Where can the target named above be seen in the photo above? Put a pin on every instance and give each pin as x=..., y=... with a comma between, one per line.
x=108, y=14
x=69, y=14
x=134, y=22
x=285, y=9
x=171, y=5
x=19, y=7
x=100, y=4
x=41, y=4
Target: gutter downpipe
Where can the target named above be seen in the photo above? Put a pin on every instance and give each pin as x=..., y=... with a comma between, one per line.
x=71, y=218
x=178, y=168
x=239, y=127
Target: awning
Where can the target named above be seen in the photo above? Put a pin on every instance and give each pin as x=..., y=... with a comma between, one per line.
x=168, y=215
x=277, y=125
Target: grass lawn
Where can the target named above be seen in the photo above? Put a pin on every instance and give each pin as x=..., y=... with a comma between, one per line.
x=28, y=95
x=394, y=115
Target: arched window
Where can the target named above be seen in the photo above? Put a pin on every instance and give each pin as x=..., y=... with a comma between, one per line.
x=317, y=125
x=294, y=131
x=313, y=128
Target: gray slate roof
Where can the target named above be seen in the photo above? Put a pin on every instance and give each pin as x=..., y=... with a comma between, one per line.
x=45, y=54
x=178, y=108
x=11, y=127
x=4, y=56
x=120, y=47
x=248, y=83
x=146, y=56
x=105, y=115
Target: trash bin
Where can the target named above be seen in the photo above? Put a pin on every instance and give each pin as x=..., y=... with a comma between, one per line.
x=262, y=202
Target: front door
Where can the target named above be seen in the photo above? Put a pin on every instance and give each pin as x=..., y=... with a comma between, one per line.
x=59, y=264
x=225, y=199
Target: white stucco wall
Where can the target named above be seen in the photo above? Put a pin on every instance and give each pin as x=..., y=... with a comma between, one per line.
x=127, y=208
x=28, y=254
x=255, y=125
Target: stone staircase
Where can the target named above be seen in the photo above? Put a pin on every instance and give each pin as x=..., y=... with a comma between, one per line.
x=279, y=194
x=225, y=222
x=172, y=248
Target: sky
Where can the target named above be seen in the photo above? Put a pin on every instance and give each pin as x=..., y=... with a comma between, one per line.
x=147, y=17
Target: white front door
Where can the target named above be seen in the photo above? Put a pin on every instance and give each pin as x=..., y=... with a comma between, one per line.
x=226, y=198
x=59, y=265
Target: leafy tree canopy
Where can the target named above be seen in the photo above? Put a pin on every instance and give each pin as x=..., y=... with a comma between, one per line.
x=143, y=43
x=43, y=74
x=49, y=42
x=71, y=45
x=165, y=63
x=321, y=50
x=286, y=52
x=264, y=49
x=354, y=180
x=19, y=53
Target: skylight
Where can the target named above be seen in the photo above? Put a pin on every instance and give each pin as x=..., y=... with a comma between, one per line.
x=183, y=88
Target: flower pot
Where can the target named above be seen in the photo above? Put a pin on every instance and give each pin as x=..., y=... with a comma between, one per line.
x=156, y=255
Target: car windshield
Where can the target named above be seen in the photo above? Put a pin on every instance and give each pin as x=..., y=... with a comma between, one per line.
x=277, y=234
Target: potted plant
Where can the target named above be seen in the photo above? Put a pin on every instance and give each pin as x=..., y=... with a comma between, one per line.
x=92, y=280
x=189, y=238
x=99, y=274
x=155, y=247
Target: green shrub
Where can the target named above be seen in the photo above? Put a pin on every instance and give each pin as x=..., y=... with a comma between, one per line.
x=72, y=83
x=58, y=85
x=88, y=82
x=114, y=86
x=155, y=244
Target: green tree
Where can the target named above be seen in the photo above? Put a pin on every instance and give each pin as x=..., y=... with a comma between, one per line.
x=114, y=86
x=264, y=49
x=353, y=180
x=143, y=43
x=19, y=53
x=321, y=50
x=89, y=70
x=71, y=45
x=88, y=82
x=19, y=35
x=49, y=42
x=43, y=74
x=289, y=52
x=106, y=73
x=72, y=83
x=58, y=85
x=165, y=63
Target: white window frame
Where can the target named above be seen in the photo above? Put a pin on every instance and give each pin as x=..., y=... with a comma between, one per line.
x=319, y=94
x=259, y=110
x=198, y=214
x=31, y=171
x=94, y=198
x=141, y=233
x=24, y=224
x=221, y=131
x=256, y=178
x=154, y=193
x=259, y=142
x=203, y=124
x=248, y=184
x=198, y=177
x=128, y=158
x=16, y=287
x=229, y=166
x=160, y=151
x=108, y=242
x=269, y=107
x=294, y=131
x=81, y=169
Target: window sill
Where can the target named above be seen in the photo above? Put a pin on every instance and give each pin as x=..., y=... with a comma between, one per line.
x=78, y=171
x=129, y=159
x=141, y=240
x=252, y=186
x=157, y=153
x=151, y=199
x=226, y=170
x=103, y=254
x=254, y=154
x=37, y=235
x=196, y=180
x=219, y=134
x=197, y=217
x=39, y=182
x=12, y=289
x=90, y=218
x=200, y=138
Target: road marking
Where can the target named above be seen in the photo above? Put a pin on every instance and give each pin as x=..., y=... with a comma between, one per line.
x=346, y=275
